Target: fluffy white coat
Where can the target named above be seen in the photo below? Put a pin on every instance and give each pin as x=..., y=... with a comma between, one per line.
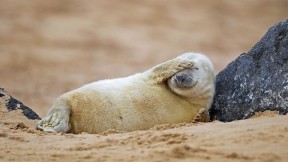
x=136, y=102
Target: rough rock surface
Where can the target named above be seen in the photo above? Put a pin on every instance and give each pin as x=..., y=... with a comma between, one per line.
x=13, y=104
x=255, y=81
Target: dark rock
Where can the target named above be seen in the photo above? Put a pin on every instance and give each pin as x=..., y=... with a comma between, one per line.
x=255, y=81
x=13, y=104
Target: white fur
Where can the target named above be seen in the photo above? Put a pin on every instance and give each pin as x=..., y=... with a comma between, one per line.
x=136, y=102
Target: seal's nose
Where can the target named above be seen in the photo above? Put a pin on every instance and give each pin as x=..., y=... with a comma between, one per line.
x=181, y=78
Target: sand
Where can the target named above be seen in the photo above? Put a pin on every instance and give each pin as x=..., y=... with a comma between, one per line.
x=50, y=47
x=262, y=138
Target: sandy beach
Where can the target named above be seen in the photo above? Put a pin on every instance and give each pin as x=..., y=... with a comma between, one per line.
x=50, y=47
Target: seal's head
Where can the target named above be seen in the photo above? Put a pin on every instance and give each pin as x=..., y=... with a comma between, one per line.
x=195, y=78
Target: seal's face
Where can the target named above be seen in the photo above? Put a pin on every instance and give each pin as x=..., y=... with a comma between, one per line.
x=184, y=79
x=192, y=81
x=183, y=83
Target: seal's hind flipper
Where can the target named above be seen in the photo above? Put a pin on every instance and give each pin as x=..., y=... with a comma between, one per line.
x=57, y=119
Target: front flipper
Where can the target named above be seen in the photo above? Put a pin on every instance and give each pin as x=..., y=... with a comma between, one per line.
x=162, y=72
x=202, y=116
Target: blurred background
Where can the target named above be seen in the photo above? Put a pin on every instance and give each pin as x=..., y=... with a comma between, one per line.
x=50, y=47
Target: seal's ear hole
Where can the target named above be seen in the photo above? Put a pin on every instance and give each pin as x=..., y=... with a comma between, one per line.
x=196, y=68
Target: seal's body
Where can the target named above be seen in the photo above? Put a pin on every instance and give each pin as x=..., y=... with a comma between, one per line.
x=172, y=92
